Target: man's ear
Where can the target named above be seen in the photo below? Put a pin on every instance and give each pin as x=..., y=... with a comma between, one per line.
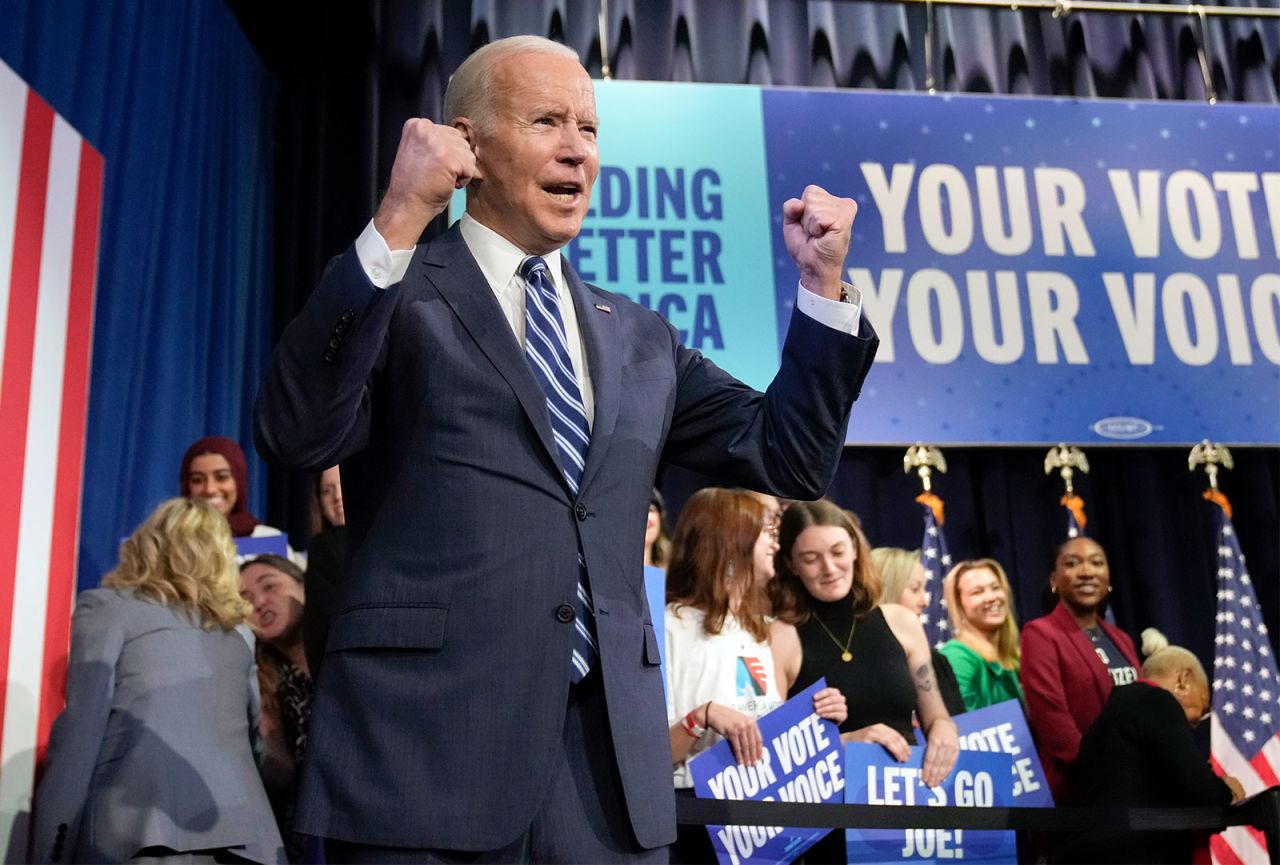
x=472, y=134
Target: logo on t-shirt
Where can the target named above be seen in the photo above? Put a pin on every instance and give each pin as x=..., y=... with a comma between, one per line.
x=752, y=679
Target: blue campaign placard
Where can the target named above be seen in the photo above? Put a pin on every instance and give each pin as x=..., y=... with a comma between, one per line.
x=801, y=763
x=979, y=780
x=1002, y=728
x=247, y=548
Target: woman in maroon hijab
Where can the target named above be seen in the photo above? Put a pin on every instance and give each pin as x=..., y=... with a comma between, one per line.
x=214, y=469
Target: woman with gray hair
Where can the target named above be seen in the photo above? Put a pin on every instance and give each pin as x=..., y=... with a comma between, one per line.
x=1140, y=753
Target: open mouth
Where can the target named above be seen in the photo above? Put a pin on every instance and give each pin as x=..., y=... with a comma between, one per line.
x=566, y=193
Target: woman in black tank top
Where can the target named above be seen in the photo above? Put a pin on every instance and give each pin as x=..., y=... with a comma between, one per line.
x=824, y=597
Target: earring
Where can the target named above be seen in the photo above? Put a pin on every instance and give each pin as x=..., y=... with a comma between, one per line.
x=1053, y=590
x=1109, y=588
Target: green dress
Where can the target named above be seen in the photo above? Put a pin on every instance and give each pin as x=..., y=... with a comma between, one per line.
x=982, y=682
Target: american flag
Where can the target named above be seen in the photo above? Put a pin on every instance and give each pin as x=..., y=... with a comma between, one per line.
x=1245, y=737
x=50, y=196
x=936, y=561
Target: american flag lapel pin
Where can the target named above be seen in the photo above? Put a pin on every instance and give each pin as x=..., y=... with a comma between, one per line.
x=604, y=307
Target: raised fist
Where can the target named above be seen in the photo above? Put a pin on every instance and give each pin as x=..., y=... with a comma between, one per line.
x=431, y=162
x=816, y=229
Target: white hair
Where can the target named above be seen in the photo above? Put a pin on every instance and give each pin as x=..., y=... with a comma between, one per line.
x=470, y=89
x=1163, y=659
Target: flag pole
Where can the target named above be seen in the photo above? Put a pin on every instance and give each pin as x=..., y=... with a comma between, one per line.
x=924, y=459
x=1211, y=456
x=1068, y=460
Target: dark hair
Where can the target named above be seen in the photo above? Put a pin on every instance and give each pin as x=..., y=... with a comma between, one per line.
x=660, y=551
x=711, y=560
x=280, y=563
x=791, y=601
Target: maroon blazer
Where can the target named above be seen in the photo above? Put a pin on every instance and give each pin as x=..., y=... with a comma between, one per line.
x=1066, y=685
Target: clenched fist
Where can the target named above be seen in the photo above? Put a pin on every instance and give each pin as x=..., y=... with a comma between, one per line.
x=431, y=162
x=816, y=229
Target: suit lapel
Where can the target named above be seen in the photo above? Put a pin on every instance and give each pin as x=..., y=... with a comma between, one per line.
x=602, y=346
x=450, y=267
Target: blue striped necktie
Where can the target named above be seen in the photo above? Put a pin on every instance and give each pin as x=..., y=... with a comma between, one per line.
x=547, y=351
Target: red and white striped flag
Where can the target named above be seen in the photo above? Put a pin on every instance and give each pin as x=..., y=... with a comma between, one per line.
x=50, y=203
x=1245, y=737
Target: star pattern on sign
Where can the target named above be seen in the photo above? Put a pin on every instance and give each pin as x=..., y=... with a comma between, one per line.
x=1244, y=704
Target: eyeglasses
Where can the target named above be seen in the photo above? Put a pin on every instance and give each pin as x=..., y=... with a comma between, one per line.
x=771, y=529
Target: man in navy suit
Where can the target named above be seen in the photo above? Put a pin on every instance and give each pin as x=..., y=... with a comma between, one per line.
x=450, y=723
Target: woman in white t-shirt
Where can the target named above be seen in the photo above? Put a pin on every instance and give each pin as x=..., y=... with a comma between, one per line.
x=720, y=671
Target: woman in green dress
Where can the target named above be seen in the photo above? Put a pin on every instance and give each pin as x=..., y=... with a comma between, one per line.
x=984, y=653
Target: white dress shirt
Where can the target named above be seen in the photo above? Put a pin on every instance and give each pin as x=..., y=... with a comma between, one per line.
x=499, y=261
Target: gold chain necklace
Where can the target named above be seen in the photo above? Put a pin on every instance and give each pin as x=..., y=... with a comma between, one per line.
x=845, y=654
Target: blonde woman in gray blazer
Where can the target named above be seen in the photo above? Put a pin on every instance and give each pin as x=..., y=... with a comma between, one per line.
x=152, y=759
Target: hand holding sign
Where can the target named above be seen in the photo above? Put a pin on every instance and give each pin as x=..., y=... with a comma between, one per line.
x=885, y=736
x=941, y=752
x=831, y=705
x=741, y=731
x=816, y=228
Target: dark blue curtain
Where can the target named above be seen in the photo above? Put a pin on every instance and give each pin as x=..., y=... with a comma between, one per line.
x=181, y=108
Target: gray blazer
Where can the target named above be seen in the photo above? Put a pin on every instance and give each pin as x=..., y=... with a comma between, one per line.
x=154, y=746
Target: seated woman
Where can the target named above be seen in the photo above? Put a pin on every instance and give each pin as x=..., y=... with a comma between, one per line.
x=1071, y=659
x=877, y=655
x=902, y=581
x=716, y=621
x=1139, y=752
x=984, y=653
x=273, y=585
x=153, y=755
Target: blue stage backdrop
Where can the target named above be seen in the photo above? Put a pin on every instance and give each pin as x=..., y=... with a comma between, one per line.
x=181, y=109
x=1040, y=270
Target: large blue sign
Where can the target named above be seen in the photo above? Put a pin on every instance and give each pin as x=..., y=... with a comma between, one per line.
x=1003, y=728
x=979, y=780
x=801, y=763
x=1039, y=270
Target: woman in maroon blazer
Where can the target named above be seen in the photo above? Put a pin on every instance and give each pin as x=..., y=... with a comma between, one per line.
x=1071, y=659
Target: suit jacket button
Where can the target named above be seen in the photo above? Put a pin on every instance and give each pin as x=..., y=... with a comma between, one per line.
x=564, y=614
x=347, y=315
x=580, y=511
x=330, y=356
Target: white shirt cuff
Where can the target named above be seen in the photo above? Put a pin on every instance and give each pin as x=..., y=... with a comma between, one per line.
x=837, y=314
x=383, y=265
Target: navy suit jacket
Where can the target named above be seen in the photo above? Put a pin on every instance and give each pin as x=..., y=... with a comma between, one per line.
x=440, y=709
